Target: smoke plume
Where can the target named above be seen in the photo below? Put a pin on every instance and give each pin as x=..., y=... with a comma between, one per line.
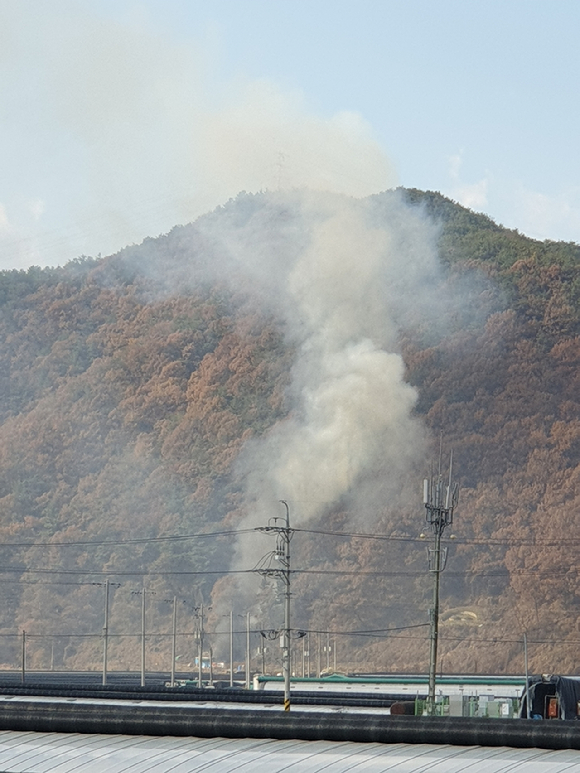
x=141, y=137
x=345, y=276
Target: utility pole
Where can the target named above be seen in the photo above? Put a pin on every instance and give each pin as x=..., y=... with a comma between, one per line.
x=200, y=650
x=143, y=594
x=528, y=707
x=106, y=632
x=440, y=500
x=143, y=638
x=286, y=575
x=231, y=648
x=173, y=641
x=248, y=655
x=266, y=567
x=23, y=657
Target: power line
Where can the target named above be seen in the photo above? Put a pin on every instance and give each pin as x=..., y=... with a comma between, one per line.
x=495, y=640
x=131, y=541
x=323, y=532
x=456, y=540
x=330, y=572
x=165, y=634
x=500, y=573
x=52, y=582
x=380, y=632
x=123, y=572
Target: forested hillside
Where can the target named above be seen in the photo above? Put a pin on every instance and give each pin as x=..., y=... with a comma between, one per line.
x=132, y=387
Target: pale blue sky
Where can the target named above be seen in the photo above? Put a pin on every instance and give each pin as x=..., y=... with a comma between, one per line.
x=121, y=118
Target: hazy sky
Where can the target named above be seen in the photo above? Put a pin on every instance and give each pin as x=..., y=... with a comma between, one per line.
x=121, y=118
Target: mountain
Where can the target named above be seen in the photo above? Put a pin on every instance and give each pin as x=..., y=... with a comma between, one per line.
x=139, y=394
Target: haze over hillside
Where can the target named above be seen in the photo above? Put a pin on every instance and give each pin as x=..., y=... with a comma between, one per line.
x=312, y=348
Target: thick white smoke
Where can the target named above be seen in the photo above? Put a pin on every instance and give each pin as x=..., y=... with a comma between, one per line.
x=354, y=403
x=345, y=277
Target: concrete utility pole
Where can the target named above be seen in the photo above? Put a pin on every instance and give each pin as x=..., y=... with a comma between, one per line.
x=263, y=654
x=23, y=657
x=200, y=650
x=528, y=707
x=106, y=632
x=108, y=586
x=231, y=648
x=173, y=641
x=248, y=654
x=282, y=571
x=143, y=592
x=440, y=500
x=286, y=536
x=143, y=604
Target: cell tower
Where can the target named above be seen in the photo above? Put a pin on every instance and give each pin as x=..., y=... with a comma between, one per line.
x=440, y=498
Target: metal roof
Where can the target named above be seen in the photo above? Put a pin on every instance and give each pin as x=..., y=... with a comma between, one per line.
x=69, y=752
x=197, y=705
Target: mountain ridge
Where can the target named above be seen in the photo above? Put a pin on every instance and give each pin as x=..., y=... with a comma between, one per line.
x=131, y=386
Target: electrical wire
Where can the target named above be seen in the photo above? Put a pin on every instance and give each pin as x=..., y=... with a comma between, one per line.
x=456, y=540
x=52, y=582
x=330, y=572
x=323, y=532
x=124, y=572
x=500, y=573
x=377, y=634
x=131, y=541
x=371, y=632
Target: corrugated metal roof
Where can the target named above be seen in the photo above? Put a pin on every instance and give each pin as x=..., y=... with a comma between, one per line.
x=66, y=753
